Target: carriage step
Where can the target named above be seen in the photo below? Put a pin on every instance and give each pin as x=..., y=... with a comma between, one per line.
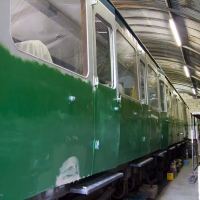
x=178, y=145
x=159, y=154
x=141, y=163
x=95, y=184
x=170, y=149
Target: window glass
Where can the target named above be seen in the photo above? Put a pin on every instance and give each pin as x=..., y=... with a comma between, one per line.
x=103, y=51
x=152, y=87
x=127, y=68
x=168, y=99
x=162, y=96
x=142, y=81
x=181, y=110
x=178, y=108
x=170, y=96
x=174, y=106
x=184, y=113
x=54, y=31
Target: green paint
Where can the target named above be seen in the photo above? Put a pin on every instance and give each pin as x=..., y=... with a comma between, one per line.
x=155, y=130
x=146, y=129
x=107, y=128
x=170, y=125
x=39, y=128
x=164, y=130
x=173, y=134
x=130, y=130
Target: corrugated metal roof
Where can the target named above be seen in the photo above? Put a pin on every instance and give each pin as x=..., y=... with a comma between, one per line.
x=149, y=19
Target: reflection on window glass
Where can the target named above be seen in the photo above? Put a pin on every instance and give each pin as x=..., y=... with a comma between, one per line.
x=168, y=98
x=153, y=88
x=180, y=109
x=142, y=81
x=178, y=105
x=50, y=30
x=174, y=106
x=184, y=113
x=162, y=96
x=103, y=51
x=127, y=68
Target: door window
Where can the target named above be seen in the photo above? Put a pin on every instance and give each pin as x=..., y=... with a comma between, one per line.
x=104, y=72
x=174, y=106
x=142, y=82
x=152, y=87
x=162, y=95
x=127, y=68
x=168, y=99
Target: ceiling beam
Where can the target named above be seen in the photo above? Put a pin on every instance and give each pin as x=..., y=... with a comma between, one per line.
x=191, y=49
x=169, y=5
x=121, y=5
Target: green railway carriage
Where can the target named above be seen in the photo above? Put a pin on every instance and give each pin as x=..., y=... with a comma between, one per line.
x=79, y=95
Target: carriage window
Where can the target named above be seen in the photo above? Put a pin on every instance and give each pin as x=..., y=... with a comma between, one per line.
x=142, y=81
x=178, y=109
x=181, y=110
x=174, y=106
x=162, y=96
x=152, y=87
x=127, y=68
x=54, y=31
x=103, y=30
x=168, y=98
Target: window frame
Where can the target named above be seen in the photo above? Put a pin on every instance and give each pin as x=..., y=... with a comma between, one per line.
x=59, y=67
x=149, y=64
x=131, y=40
x=145, y=80
x=167, y=89
x=111, y=50
x=164, y=96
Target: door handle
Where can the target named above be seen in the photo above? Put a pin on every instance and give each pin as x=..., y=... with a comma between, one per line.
x=135, y=113
x=72, y=98
x=116, y=108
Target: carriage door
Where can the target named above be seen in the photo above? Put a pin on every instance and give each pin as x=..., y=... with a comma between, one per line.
x=154, y=113
x=170, y=116
x=106, y=105
x=146, y=133
x=163, y=113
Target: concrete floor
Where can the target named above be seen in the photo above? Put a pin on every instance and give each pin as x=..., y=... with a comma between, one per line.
x=180, y=188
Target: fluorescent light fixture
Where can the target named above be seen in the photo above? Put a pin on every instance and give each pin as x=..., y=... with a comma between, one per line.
x=194, y=91
x=102, y=32
x=175, y=32
x=186, y=71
